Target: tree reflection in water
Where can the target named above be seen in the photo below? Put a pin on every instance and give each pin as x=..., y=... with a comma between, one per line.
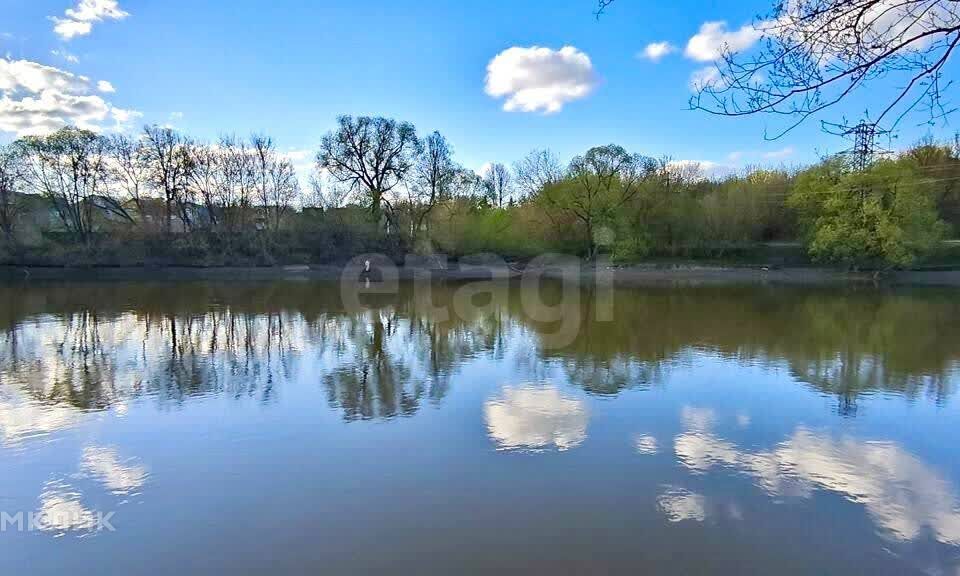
x=91, y=346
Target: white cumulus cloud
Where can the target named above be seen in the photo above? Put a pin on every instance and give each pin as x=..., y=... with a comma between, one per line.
x=16, y=75
x=79, y=20
x=105, y=87
x=714, y=39
x=37, y=99
x=657, y=50
x=540, y=79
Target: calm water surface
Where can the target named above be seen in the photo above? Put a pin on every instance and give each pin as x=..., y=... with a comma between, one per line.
x=242, y=428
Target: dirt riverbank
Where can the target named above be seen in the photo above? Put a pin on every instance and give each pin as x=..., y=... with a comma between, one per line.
x=626, y=275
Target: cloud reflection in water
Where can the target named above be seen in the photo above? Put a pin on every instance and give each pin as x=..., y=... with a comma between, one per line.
x=901, y=493
x=117, y=476
x=678, y=504
x=536, y=418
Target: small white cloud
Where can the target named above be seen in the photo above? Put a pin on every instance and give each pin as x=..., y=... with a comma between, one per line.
x=484, y=169
x=540, y=79
x=105, y=87
x=706, y=77
x=735, y=156
x=779, y=154
x=124, y=119
x=302, y=160
x=173, y=119
x=79, y=20
x=69, y=29
x=714, y=39
x=657, y=50
x=71, y=58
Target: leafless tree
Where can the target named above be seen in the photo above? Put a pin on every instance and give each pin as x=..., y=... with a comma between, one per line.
x=11, y=182
x=537, y=170
x=170, y=165
x=204, y=178
x=432, y=182
x=284, y=192
x=370, y=155
x=276, y=180
x=499, y=183
x=263, y=154
x=814, y=53
x=129, y=171
x=326, y=193
x=236, y=183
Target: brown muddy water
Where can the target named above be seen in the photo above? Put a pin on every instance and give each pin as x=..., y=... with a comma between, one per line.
x=276, y=427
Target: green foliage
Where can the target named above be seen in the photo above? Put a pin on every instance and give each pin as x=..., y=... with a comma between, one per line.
x=884, y=216
x=678, y=213
x=595, y=191
x=74, y=197
x=465, y=227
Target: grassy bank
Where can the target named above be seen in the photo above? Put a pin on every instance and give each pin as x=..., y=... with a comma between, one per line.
x=193, y=253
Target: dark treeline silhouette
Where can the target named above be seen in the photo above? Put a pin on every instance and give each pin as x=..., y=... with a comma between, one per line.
x=75, y=197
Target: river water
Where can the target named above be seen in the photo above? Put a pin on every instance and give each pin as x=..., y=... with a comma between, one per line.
x=282, y=427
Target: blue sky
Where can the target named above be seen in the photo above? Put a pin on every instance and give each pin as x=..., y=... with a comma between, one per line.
x=289, y=68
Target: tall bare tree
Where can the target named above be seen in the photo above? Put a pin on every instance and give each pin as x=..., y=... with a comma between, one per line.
x=433, y=180
x=168, y=154
x=11, y=180
x=325, y=193
x=129, y=170
x=469, y=185
x=499, y=183
x=237, y=184
x=204, y=178
x=276, y=180
x=370, y=155
x=537, y=170
x=285, y=192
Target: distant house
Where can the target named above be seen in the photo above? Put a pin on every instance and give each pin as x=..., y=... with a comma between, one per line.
x=36, y=215
x=39, y=216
